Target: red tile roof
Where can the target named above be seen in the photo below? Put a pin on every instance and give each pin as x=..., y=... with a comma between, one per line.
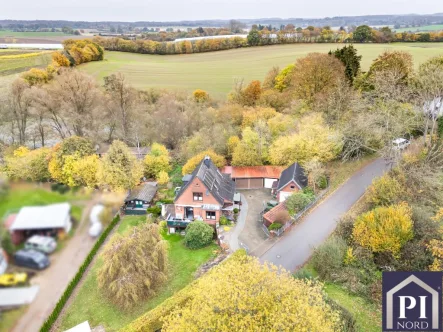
x=272, y=172
x=271, y=215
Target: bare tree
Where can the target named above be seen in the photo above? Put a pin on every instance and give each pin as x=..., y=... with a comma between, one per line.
x=430, y=93
x=122, y=103
x=47, y=104
x=79, y=98
x=19, y=104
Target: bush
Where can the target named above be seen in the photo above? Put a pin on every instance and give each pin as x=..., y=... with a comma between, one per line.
x=303, y=274
x=166, y=201
x=299, y=200
x=384, y=191
x=275, y=226
x=328, y=258
x=224, y=221
x=384, y=229
x=344, y=229
x=154, y=210
x=236, y=210
x=163, y=227
x=198, y=235
x=322, y=182
x=47, y=325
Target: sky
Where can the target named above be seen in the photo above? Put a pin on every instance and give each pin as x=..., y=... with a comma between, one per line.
x=177, y=10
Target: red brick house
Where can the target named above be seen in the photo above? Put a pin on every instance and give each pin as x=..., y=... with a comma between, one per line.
x=206, y=195
x=291, y=179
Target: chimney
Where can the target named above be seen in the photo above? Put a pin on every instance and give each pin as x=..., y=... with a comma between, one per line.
x=206, y=160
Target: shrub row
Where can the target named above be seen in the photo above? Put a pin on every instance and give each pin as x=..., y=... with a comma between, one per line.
x=47, y=325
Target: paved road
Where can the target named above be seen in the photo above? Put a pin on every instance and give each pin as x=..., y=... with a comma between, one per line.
x=55, y=279
x=295, y=248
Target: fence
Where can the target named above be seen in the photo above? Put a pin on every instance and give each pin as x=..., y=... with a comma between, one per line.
x=293, y=219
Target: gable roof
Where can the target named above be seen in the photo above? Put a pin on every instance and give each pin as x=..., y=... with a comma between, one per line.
x=271, y=172
x=294, y=173
x=143, y=192
x=271, y=215
x=221, y=186
x=41, y=217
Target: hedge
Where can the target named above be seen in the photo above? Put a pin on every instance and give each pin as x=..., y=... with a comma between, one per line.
x=47, y=325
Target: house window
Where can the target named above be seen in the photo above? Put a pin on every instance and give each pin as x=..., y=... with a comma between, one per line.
x=210, y=215
x=198, y=196
x=292, y=187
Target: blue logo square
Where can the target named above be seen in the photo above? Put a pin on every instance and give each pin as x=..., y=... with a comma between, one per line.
x=412, y=301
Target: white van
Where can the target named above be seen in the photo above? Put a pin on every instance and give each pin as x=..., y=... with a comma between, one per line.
x=400, y=144
x=45, y=244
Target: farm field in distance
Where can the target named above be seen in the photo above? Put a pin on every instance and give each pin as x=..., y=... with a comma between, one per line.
x=425, y=28
x=216, y=72
x=14, y=61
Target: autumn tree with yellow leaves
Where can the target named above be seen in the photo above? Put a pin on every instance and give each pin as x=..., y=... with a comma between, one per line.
x=120, y=169
x=243, y=295
x=157, y=160
x=314, y=139
x=384, y=229
x=192, y=163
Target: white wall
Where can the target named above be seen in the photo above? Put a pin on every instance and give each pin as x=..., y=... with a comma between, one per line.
x=269, y=182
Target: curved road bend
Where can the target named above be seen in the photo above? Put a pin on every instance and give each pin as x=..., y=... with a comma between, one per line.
x=295, y=248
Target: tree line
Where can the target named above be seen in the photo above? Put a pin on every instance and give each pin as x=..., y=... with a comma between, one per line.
x=74, y=52
x=264, y=36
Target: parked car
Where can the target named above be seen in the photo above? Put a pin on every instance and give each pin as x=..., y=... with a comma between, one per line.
x=32, y=259
x=12, y=279
x=45, y=244
x=96, y=229
x=400, y=143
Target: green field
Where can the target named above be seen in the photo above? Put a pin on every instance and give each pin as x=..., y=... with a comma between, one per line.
x=90, y=304
x=216, y=72
x=16, y=61
x=10, y=33
x=425, y=28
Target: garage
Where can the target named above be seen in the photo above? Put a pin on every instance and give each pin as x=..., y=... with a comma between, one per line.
x=242, y=183
x=255, y=183
x=253, y=177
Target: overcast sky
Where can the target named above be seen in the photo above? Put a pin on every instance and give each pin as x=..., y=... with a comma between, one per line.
x=176, y=10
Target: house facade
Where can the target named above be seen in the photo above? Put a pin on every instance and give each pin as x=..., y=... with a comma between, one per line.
x=292, y=179
x=207, y=195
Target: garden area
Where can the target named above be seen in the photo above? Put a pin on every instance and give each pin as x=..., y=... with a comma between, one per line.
x=182, y=265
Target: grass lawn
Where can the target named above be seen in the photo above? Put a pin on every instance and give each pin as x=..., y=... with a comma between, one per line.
x=367, y=314
x=29, y=196
x=89, y=303
x=9, y=318
x=15, y=61
x=216, y=72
